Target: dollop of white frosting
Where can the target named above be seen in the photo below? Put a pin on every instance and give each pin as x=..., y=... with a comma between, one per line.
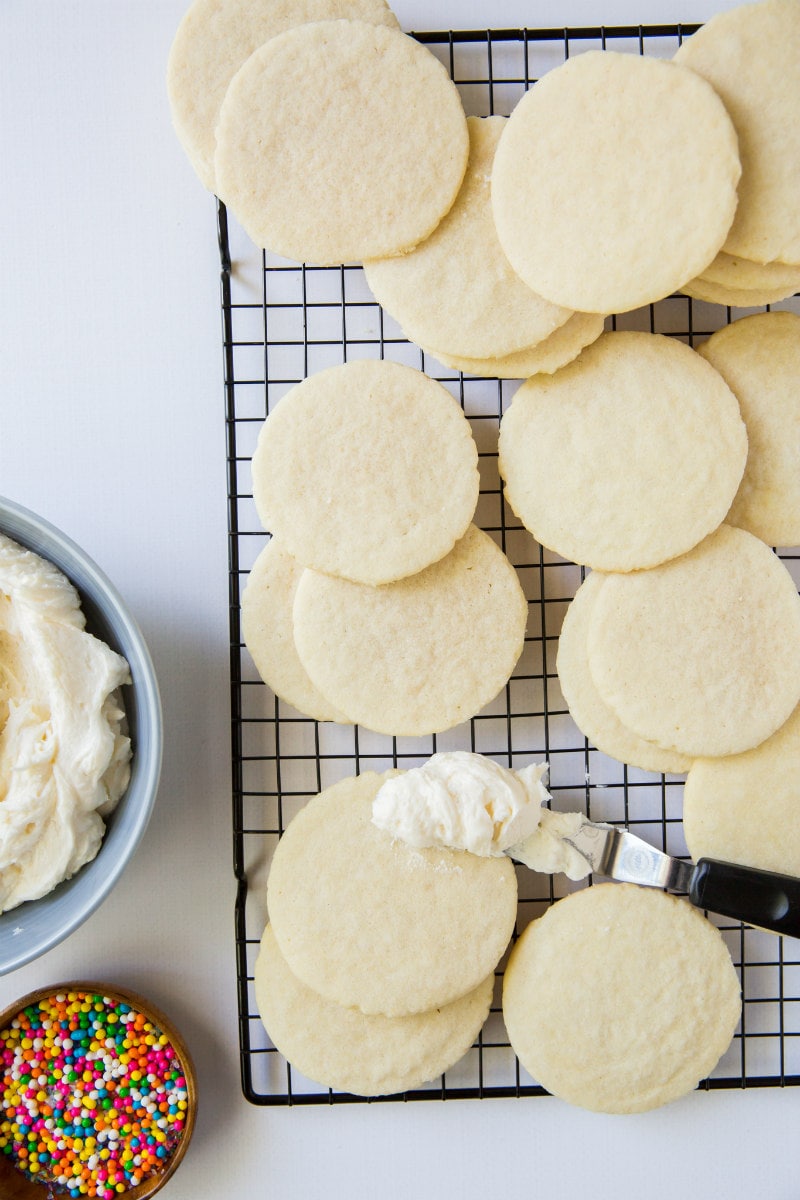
x=64, y=756
x=463, y=801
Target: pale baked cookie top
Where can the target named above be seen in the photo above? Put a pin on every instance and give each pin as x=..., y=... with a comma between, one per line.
x=215, y=38
x=759, y=357
x=620, y=998
x=701, y=654
x=626, y=457
x=343, y=1048
x=268, y=632
x=457, y=290
x=420, y=655
x=746, y=808
x=339, y=141
x=371, y=922
x=614, y=181
x=560, y=347
x=587, y=708
x=750, y=56
x=367, y=470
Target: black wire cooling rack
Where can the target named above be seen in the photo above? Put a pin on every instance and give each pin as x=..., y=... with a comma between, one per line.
x=281, y=322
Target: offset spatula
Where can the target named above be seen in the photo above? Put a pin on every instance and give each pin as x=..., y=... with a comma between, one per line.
x=761, y=898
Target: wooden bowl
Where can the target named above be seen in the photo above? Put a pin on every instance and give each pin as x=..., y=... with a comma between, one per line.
x=14, y=1185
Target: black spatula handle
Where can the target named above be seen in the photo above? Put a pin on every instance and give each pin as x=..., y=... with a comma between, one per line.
x=757, y=897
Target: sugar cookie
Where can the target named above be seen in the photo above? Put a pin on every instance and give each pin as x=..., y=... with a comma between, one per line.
x=620, y=998
x=626, y=457
x=614, y=181
x=268, y=632
x=589, y=712
x=701, y=654
x=746, y=808
x=701, y=288
x=367, y=1055
x=740, y=274
x=759, y=357
x=339, y=141
x=420, y=655
x=367, y=470
x=749, y=55
x=560, y=348
x=367, y=921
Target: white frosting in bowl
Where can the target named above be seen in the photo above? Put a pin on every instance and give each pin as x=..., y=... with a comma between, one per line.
x=64, y=755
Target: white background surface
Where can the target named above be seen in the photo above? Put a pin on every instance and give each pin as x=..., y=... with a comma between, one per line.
x=111, y=427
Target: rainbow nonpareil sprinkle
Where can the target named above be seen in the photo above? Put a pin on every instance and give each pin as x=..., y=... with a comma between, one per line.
x=94, y=1097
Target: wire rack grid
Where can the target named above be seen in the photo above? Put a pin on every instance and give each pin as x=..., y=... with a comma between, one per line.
x=283, y=321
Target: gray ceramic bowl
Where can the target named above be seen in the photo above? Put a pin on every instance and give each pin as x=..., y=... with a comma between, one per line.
x=36, y=926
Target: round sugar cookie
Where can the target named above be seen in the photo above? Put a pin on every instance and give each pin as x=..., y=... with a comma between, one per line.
x=339, y=141
x=268, y=632
x=749, y=55
x=740, y=274
x=759, y=358
x=620, y=998
x=732, y=297
x=457, y=289
x=420, y=655
x=590, y=713
x=626, y=457
x=346, y=1049
x=367, y=470
x=746, y=808
x=701, y=654
x=614, y=181
x=215, y=38
x=562, y=346
x=368, y=921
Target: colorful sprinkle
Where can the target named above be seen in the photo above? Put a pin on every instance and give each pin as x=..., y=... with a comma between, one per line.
x=94, y=1097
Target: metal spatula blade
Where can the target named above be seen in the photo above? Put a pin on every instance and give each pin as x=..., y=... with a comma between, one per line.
x=762, y=898
x=621, y=855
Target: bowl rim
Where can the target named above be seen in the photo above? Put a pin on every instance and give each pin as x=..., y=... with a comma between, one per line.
x=153, y=1183
x=47, y=540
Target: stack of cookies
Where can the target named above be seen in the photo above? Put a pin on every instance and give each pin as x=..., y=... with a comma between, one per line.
x=749, y=56
x=685, y=640
x=376, y=971
x=332, y=135
x=499, y=244
x=673, y=482
x=377, y=601
x=615, y=182
x=618, y=180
